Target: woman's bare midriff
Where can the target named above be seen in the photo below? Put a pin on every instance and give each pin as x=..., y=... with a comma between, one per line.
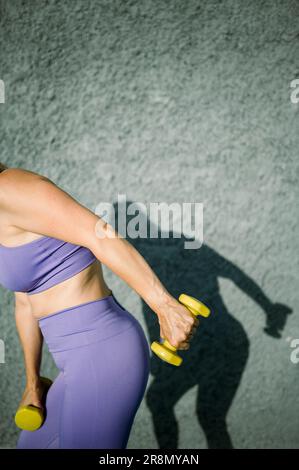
x=85, y=286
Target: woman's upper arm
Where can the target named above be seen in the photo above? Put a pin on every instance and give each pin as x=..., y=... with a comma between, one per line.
x=21, y=300
x=36, y=204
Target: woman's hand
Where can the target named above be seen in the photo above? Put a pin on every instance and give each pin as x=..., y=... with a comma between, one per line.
x=177, y=324
x=33, y=395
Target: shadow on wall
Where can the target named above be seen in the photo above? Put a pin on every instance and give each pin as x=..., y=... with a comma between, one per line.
x=219, y=351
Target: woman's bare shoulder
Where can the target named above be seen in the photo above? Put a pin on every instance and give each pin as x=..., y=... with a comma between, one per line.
x=11, y=174
x=13, y=180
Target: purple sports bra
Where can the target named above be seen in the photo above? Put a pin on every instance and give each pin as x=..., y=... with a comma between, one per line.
x=40, y=264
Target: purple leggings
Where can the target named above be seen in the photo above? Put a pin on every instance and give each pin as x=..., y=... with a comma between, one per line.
x=103, y=357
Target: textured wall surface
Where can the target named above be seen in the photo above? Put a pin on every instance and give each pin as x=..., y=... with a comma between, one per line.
x=174, y=101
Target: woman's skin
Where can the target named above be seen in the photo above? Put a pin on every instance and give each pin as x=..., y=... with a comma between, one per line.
x=32, y=206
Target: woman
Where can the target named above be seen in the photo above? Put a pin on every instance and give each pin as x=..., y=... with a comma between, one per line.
x=51, y=250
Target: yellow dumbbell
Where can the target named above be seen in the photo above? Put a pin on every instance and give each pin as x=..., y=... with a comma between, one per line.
x=164, y=349
x=31, y=417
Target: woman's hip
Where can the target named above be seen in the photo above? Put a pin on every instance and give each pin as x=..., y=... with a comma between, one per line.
x=103, y=321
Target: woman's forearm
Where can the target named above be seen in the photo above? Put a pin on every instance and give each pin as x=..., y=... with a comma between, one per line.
x=31, y=340
x=125, y=261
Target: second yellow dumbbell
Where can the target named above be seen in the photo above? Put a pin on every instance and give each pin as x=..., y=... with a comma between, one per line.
x=30, y=417
x=164, y=350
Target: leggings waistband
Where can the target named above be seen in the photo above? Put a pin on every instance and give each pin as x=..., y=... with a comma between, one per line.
x=85, y=323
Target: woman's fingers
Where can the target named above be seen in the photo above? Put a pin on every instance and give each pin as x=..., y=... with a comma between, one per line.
x=179, y=328
x=184, y=346
x=192, y=332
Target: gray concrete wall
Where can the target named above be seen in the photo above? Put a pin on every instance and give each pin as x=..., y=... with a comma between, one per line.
x=178, y=102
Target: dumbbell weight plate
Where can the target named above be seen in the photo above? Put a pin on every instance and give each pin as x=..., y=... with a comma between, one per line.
x=196, y=307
